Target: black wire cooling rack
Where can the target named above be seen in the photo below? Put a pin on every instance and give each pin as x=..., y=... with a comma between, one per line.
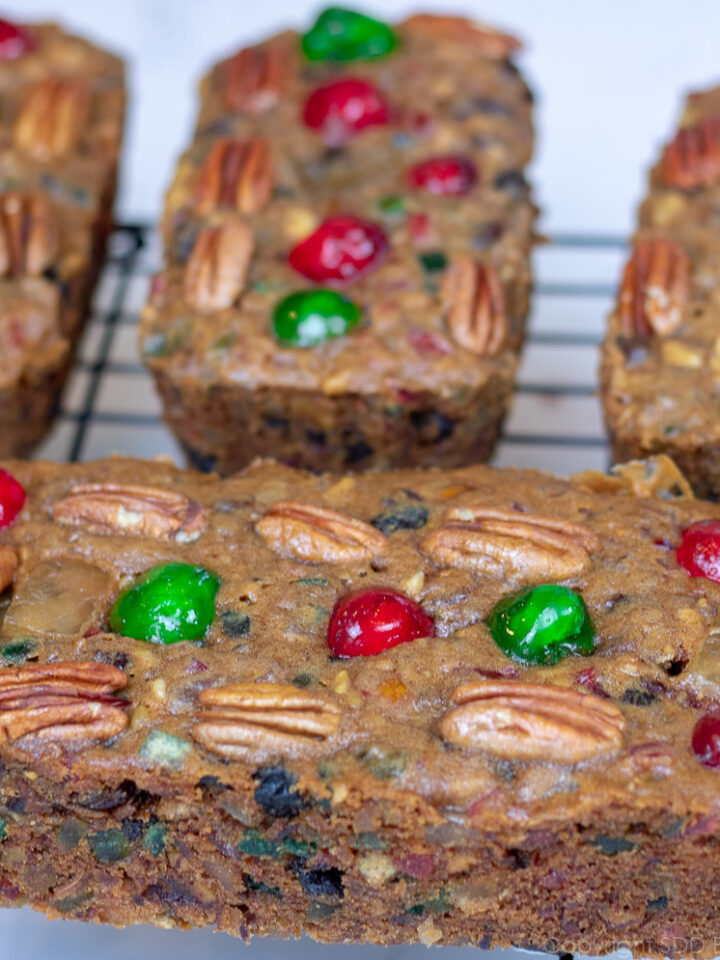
x=110, y=404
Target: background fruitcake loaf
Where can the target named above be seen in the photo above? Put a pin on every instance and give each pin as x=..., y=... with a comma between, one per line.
x=60, y=131
x=455, y=707
x=347, y=246
x=661, y=356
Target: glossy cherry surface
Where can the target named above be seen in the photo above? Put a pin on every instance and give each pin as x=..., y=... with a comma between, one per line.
x=310, y=317
x=706, y=740
x=371, y=621
x=14, y=40
x=446, y=176
x=12, y=498
x=341, y=109
x=340, y=250
x=699, y=550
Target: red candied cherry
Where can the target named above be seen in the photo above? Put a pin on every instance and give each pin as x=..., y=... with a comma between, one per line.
x=343, y=108
x=699, y=550
x=340, y=250
x=14, y=40
x=448, y=176
x=371, y=621
x=706, y=740
x=12, y=498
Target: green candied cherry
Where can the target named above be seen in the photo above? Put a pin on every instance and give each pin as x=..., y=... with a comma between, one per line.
x=172, y=602
x=342, y=35
x=542, y=625
x=310, y=317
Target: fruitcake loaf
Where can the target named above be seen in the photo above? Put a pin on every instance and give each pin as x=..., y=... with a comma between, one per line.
x=346, y=244
x=661, y=355
x=60, y=131
x=458, y=707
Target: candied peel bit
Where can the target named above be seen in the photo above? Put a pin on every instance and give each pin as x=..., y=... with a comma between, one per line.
x=53, y=118
x=655, y=289
x=657, y=476
x=8, y=566
x=692, y=158
x=255, y=78
x=318, y=535
x=236, y=174
x=263, y=718
x=510, y=544
x=475, y=307
x=71, y=702
x=216, y=272
x=532, y=721
x=125, y=508
x=486, y=40
x=28, y=234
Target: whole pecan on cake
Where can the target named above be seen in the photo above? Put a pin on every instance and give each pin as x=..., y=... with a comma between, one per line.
x=317, y=535
x=474, y=304
x=216, y=272
x=255, y=78
x=126, y=508
x=28, y=234
x=52, y=120
x=692, y=158
x=486, y=40
x=8, y=566
x=71, y=702
x=532, y=721
x=655, y=289
x=508, y=543
x=263, y=718
x=236, y=174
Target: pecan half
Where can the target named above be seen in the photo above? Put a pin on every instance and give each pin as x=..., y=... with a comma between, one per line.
x=216, y=272
x=316, y=535
x=28, y=234
x=146, y=511
x=237, y=174
x=263, y=717
x=692, y=158
x=533, y=721
x=255, y=78
x=510, y=544
x=8, y=566
x=655, y=288
x=475, y=306
x=72, y=702
x=486, y=40
x=51, y=122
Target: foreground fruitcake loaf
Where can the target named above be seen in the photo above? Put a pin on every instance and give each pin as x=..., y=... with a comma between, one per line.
x=461, y=707
x=60, y=132
x=347, y=245
x=661, y=356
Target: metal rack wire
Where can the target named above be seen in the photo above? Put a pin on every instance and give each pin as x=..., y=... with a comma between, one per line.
x=555, y=424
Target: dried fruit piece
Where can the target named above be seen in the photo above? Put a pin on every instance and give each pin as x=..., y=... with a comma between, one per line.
x=486, y=40
x=15, y=41
x=692, y=158
x=445, y=176
x=169, y=603
x=216, y=272
x=343, y=35
x=72, y=702
x=542, y=625
x=318, y=535
x=8, y=566
x=340, y=250
x=475, y=306
x=510, y=544
x=28, y=234
x=12, y=498
x=342, y=108
x=654, y=290
x=308, y=318
x=52, y=120
x=118, y=508
x=255, y=78
x=530, y=721
x=706, y=739
x=369, y=622
x=236, y=174
x=263, y=718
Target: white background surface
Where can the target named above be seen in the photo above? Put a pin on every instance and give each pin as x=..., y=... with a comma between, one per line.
x=608, y=74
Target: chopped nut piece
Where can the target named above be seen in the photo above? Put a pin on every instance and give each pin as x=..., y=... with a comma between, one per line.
x=28, y=234
x=8, y=566
x=679, y=354
x=489, y=42
x=474, y=301
x=692, y=158
x=655, y=289
x=317, y=535
x=217, y=269
x=236, y=174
